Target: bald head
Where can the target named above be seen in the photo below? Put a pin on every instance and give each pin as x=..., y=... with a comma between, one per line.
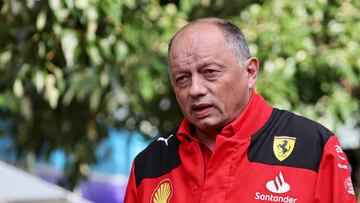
x=232, y=35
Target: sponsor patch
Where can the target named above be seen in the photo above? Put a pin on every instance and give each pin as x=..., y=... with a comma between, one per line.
x=340, y=152
x=349, y=186
x=343, y=166
x=283, y=146
x=162, y=193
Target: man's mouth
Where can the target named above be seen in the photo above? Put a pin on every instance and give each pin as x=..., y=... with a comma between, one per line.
x=201, y=110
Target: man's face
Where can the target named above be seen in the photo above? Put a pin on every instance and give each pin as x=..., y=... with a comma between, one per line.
x=211, y=87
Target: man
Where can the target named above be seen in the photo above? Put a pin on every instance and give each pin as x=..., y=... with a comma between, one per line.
x=232, y=146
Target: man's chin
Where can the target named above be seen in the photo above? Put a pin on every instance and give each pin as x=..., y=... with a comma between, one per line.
x=207, y=124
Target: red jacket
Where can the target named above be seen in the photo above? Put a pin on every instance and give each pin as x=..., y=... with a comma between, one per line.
x=266, y=155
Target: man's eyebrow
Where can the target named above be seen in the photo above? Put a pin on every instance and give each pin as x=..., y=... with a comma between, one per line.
x=179, y=72
x=209, y=62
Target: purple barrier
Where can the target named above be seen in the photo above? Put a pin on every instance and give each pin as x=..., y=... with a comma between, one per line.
x=103, y=192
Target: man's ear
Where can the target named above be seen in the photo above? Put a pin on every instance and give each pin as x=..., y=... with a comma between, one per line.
x=252, y=69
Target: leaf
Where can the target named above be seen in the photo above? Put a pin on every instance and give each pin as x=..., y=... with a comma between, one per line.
x=39, y=81
x=69, y=44
x=41, y=20
x=26, y=109
x=113, y=10
x=51, y=92
x=5, y=57
x=92, y=26
x=81, y=4
x=146, y=86
x=58, y=9
x=94, y=54
x=121, y=51
x=95, y=98
x=18, y=88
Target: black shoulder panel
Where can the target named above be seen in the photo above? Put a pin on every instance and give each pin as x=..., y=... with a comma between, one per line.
x=160, y=157
x=310, y=140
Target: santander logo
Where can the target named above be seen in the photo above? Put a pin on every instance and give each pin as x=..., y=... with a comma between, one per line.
x=278, y=185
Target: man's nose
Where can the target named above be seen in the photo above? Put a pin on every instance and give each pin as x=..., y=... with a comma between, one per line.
x=197, y=88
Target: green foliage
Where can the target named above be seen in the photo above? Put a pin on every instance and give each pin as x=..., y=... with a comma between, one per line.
x=308, y=52
x=71, y=68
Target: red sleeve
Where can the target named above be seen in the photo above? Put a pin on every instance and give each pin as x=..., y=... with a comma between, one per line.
x=334, y=182
x=131, y=190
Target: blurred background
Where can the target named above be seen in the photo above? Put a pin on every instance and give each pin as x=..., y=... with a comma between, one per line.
x=84, y=84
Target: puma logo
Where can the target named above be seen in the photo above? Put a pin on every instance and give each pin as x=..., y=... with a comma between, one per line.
x=165, y=139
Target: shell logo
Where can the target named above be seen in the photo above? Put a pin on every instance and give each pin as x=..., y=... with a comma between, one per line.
x=162, y=193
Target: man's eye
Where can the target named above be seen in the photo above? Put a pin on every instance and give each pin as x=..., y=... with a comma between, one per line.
x=181, y=80
x=210, y=73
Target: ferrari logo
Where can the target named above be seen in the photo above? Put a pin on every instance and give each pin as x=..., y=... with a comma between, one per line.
x=162, y=193
x=283, y=146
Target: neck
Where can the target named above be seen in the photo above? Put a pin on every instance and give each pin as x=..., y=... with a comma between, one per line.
x=207, y=137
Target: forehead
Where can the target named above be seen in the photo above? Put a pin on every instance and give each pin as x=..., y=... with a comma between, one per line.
x=197, y=38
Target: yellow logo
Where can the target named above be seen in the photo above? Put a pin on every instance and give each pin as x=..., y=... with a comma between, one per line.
x=162, y=193
x=283, y=146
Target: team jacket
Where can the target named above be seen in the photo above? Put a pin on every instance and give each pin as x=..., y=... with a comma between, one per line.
x=265, y=155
